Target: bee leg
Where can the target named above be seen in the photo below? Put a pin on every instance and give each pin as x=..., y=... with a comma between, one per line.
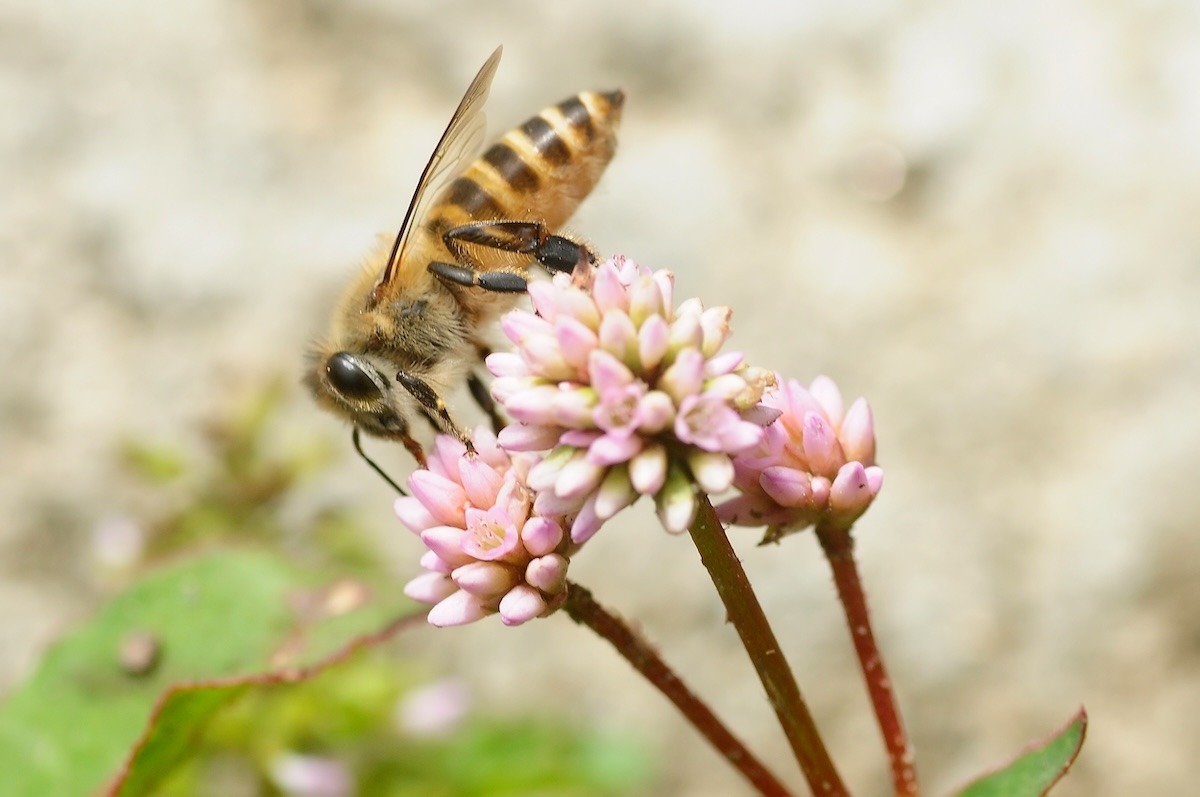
x=428, y=398
x=554, y=252
x=483, y=398
x=498, y=281
x=355, y=437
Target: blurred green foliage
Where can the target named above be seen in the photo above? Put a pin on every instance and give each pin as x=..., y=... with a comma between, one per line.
x=347, y=716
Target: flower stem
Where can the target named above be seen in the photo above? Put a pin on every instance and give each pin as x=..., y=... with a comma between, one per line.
x=838, y=545
x=744, y=611
x=583, y=609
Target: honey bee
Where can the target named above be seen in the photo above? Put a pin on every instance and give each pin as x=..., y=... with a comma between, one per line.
x=410, y=327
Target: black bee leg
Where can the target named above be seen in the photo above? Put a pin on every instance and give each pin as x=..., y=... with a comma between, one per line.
x=483, y=398
x=554, y=252
x=355, y=437
x=428, y=398
x=498, y=281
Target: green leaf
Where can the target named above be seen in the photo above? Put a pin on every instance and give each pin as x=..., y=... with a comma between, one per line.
x=1038, y=768
x=160, y=659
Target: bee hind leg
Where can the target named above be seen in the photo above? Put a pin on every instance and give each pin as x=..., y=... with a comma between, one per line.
x=483, y=398
x=428, y=398
x=554, y=252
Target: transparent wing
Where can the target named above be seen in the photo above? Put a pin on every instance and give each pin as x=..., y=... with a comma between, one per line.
x=462, y=140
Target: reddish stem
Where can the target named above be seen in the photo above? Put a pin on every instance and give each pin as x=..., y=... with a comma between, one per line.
x=838, y=545
x=746, y=615
x=583, y=609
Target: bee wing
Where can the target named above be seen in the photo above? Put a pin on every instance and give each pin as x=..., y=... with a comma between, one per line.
x=462, y=140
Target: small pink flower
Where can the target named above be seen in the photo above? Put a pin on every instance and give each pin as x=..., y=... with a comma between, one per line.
x=815, y=463
x=633, y=396
x=489, y=551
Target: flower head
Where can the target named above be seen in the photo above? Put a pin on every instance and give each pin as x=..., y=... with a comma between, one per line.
x=488, y=551
x=815, y=463
x=633, y=396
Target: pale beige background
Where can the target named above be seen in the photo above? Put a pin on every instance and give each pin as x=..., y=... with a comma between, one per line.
x=186, y=184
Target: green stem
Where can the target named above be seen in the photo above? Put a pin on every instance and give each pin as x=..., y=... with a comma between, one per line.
x=744, y=611
x=583, y=609
x=838, y=545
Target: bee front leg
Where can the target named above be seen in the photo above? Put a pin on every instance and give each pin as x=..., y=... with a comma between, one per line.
x=428, y=398
x=555, y=252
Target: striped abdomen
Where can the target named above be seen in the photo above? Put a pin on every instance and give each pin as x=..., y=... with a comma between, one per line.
x=539, y=171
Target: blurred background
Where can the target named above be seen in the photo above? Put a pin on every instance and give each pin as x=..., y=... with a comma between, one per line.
x=980, y=216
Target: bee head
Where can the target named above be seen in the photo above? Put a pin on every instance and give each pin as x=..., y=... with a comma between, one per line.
x=352, y=386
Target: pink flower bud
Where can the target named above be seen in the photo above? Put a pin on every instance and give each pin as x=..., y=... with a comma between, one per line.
x=430, y=588
x=578, y=478
x=676, y=502
x=652, y=341
x=547, y=573
x=851, y=494
x=615, y=493
x=545, y=358
x=446, y=542
x=506, y=363
x=522, y=604
x=586, y=523
x=858, y=433
x=788, y=486
x=431, y=561
x=713, y=471
x=544, y=475
x=610, y=449
x=656, y=412
x=821, y=446
x=545, y=299
x=829, y=397
x=522, y=327
x=619, y=336
x=443, y=498
x=684, y=377
x=714, y=326
x=485, y=580
x=534, y=405
x=608, y=292
x=722, y=364
x=666, y=284
x=459, y=608
x=576, y=340
x=685, y=332
x=648, y=470
x=607, y=373
x=572, y=408
x=505, y=387
x=541, y=535
x=576, y=304
x=528, y=437
x=413, y=515
x=725, y=387
x=645, y=299
x=480, y=481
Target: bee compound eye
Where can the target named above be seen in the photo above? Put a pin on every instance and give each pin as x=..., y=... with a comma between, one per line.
x=350, y=378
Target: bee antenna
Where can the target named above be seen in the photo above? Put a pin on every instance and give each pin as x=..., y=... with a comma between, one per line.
x=355, y=437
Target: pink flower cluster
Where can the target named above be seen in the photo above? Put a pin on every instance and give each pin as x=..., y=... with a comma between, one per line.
x=615, y=394
x=633, y=396
x=488, y=552
x=816, y=463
